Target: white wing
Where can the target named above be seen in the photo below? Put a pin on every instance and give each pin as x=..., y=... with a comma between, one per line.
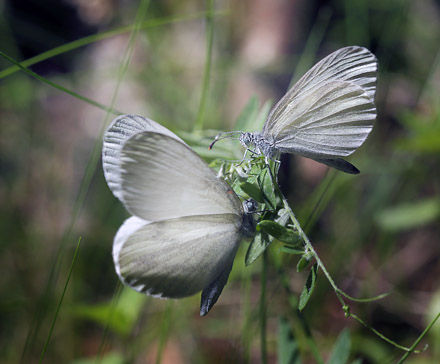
x=332, y=121
x=178, y=257
x=119, y=131
x=163, y=178
x=343, y=118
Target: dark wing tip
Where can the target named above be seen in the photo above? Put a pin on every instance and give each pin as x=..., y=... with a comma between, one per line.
x=211, y=293
x=340, y=164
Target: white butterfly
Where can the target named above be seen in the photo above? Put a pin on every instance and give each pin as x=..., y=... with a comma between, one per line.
x=187, y=222
x=326, y=115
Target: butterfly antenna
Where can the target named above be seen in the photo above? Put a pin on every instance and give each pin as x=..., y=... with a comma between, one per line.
x=229, y=134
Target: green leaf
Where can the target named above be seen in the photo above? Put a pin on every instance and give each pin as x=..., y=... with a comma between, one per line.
x=256, y=169
x=308, y=288
x=257, y=247
x=288, y=352
x=289, y=250
x=410, y=215
x=266, y=184
x=252, y=191
x=341, y=349
x=302, y=263
x=237, y=189
x=280, y=232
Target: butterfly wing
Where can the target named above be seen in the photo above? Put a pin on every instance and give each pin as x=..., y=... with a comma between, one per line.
x=330, y=111
x=163, y=178
x=178, y=257
x=119, y=131
x=330, y=122
x=211, y=293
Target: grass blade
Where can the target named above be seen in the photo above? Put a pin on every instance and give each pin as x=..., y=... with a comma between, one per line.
x=60, y=302
x=59, y=87
x=208, y=63
x=101, y=36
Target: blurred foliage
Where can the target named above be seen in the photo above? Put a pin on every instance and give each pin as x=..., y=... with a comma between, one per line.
x=376, y=232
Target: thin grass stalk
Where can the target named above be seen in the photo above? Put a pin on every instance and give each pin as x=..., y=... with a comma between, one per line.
x=208, y=63
x=46, y=344
x=59, y=87
x=81, y=197
x=101, y=36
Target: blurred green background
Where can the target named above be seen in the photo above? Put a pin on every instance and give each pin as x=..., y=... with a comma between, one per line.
x=376, y=232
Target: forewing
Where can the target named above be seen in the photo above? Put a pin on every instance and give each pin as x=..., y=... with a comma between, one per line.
x=119, y=131
x=178, y=257
x=330, y=122
x=350, y=64
x=162, y=178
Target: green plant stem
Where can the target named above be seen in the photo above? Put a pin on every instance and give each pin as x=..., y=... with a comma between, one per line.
x=338, y=293
x=310, y=248
x=358, y=319
x=46, y=344
x=208, y=62
x=263, y=311
x=417, y=341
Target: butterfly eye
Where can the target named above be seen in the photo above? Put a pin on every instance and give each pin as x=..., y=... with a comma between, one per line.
x=250, y=206
x=246, y=139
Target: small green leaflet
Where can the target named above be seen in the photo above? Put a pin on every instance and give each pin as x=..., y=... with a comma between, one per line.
x=265, y=182
x=280, y=232
x=302, y=263
x=252, y=191
x=308, y=288
x=257, y=247
x=289, y=250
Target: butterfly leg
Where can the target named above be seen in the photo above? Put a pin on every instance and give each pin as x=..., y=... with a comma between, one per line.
x=277, y=167
x=253, y=152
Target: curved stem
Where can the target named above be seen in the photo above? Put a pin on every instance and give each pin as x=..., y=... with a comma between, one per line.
x=310, y=248
x=338, y=292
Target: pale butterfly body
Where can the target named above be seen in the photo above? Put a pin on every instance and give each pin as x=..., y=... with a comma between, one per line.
x=326, y=115
x=187, y=221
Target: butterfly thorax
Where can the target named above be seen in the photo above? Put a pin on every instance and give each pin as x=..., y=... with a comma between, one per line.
x=258, y=144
